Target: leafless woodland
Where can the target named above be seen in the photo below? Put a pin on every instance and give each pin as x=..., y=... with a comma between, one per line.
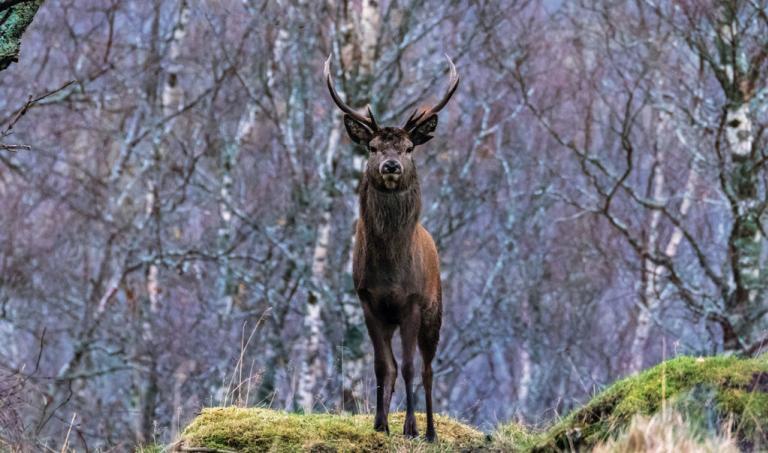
x=178, y=198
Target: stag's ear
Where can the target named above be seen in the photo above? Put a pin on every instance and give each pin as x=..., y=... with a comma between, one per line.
x=423, y=132
x=358, y=132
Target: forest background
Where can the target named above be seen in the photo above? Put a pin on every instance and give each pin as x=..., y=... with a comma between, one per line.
x=178, y=195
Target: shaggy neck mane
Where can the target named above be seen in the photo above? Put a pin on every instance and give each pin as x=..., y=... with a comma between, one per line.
x=390, y=216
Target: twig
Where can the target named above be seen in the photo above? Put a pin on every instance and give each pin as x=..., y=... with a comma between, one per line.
x=29, y=104
x=17, y=116
x=9, y=147
x=66, y=438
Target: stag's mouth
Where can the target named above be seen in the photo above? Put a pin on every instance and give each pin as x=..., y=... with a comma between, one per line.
x=391, y=180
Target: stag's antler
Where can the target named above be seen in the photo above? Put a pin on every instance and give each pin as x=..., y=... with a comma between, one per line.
x=421, y=115
x=368, y=121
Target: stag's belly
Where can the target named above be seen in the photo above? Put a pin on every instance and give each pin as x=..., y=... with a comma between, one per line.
x=391, y=303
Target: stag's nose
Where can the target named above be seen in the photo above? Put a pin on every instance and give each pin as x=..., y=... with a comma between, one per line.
x=391, y=167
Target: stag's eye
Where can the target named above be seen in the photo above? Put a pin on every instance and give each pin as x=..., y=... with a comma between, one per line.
x=372, y=149
x=409, y=149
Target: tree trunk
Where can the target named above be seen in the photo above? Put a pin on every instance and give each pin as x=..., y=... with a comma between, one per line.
x=649, y=292
x=652, y=290
x=312, y=368
x=146, y=375
x=738, y=76
x=745, y=308
x=358, y=46
x=226, y=286
x=352, y=352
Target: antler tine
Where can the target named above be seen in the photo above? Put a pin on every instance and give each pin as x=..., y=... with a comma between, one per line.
x=413, y=120
x=369, y=121
x=372, y=119
x=453, y=83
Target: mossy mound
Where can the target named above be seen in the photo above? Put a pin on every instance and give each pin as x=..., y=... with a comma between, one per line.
x=724, y=397
x=710, y=392
x=258, y=430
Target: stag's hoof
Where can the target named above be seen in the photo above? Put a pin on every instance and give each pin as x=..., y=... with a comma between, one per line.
x=409, y=428
x=381, y=426
x=431, y=436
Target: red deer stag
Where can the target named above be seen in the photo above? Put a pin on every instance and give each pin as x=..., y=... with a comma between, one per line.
x=396, y=270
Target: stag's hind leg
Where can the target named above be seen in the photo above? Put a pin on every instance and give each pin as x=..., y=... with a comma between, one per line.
x=429, y=336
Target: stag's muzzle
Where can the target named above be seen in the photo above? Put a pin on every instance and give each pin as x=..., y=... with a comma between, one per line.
x=391, y=167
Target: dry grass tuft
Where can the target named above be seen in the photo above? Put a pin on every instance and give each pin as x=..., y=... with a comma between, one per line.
x=667, y=432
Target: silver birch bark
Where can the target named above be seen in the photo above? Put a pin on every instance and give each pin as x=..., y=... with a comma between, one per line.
x=746, y=309
x=363, y=35
x=648, y=297
x=171, y=98
x=312, y=368
x=738, y=76
x=226, y=286
x=651, y=290
x=312, y=363
x=353, y=356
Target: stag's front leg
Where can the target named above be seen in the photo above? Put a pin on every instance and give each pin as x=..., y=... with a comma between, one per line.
x=385, y=368
x=429, y=335
x=409, y=331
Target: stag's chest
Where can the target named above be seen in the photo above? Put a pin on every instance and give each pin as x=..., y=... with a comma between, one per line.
x=385, y=275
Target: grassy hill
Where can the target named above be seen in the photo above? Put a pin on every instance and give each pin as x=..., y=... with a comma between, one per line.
x=703, y=404
x=257, y=430
x=710, y=393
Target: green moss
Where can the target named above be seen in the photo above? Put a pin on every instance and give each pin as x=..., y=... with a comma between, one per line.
x=736, y=387
x=708, y=393
x=252, y=430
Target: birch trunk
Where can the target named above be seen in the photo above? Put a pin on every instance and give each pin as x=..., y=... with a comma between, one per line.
x=746, y=310
x=226, y=285
x=358, y=34
x=649, y=301
x=651, y=296
x=353, y=354
x=526, y=377
x=746, y=306
x=311, y=371
x=146, y=377
x=649, y=292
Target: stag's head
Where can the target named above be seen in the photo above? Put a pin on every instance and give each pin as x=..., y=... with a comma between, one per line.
x=390, y=164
